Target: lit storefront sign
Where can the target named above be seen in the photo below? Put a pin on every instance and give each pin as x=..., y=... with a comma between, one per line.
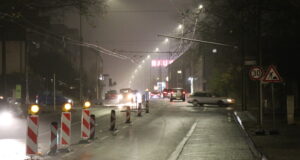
x=161, y=62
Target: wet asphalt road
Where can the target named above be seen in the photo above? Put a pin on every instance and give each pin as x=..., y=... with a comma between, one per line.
x=170, y=131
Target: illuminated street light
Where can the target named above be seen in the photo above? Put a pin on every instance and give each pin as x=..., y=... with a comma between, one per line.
x=179, y=71
x=156, y=49
x=143, y=61
x=214, y=50
x=200, y=6
x=148, y=56
x=166, y=40
x=180, y=26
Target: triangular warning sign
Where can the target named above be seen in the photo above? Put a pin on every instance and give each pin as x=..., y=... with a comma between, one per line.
x=272, y=75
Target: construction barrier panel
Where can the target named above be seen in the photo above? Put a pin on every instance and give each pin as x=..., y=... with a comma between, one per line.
x=65, y=137
x=93, y=126
x=53, y=138
x=32, y=135
x=85, y=124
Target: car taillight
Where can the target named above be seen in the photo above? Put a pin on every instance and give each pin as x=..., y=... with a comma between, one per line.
x=165, y=92
x=183, y=92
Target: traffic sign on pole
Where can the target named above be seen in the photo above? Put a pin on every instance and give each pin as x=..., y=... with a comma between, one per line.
x=256, y=73
x=272, y=75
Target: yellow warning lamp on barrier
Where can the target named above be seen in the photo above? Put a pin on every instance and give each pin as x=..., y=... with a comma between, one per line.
x=34, y=109
x=67, y=107
x=87, y=104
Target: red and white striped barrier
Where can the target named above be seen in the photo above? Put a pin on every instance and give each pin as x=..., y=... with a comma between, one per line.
x=85, y=124
x=93, y=126
x=65, y=137
x=53, y=138
x=32, y=135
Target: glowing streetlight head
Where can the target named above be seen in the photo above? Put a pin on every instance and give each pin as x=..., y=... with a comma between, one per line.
x=156, y=49
x=180, y=26
x=214, y=50
x=166, y=40
x=200, y=6
x=143, y=61
x=148, y=56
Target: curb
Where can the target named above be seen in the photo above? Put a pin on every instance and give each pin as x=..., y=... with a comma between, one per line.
x=256, y=152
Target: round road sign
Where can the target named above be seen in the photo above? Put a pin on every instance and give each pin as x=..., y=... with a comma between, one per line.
x=256, y=73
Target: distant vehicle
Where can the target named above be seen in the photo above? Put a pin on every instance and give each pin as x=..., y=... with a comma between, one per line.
x=111, y=95
x=201, y=98
x=9, y=111
x=166, y=93
x=126, y=96
x=177, y=94
x=155, y=94
x=44, y=99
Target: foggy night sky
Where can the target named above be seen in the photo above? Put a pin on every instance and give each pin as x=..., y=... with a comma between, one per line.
x=131, y=25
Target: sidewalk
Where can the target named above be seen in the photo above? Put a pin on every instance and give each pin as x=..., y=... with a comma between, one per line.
x=215, y=137
x=282, y=146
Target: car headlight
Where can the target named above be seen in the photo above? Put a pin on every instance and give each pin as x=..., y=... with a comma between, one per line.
x=229, y=100
x=6, y=118
x=120, y=96
x=129, y=96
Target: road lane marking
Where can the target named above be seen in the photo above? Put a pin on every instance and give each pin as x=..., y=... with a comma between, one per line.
x=180, y=146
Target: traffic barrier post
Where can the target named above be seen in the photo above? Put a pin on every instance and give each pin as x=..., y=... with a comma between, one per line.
x=128, y=114
x=113, y=120
x=139, y=110
x=85, y=124
x=147, y=106
x=32, y=131
x=53, y=138
x=65, y=137
x=32, y=135
x=93, y=126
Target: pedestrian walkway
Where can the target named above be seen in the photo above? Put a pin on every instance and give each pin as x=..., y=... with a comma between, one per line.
x=216, y=137
x=282, y=146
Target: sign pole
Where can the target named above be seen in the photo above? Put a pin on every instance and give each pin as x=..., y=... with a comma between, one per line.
x=273, y=104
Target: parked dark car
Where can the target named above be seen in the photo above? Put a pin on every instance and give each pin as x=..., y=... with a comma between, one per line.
x=49, y=99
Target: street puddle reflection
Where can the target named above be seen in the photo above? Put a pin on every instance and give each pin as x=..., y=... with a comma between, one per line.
x=12, y=149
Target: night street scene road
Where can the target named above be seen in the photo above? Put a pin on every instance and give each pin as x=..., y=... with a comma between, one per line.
x=149, y=80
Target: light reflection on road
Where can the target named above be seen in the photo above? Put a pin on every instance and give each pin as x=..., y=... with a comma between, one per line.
x=12, y=149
